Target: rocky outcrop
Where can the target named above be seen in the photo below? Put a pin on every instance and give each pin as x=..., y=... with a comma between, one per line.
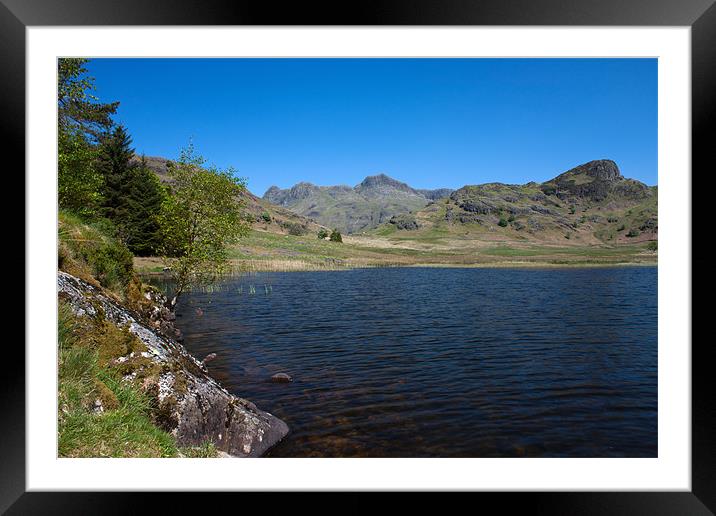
x=404, y=222
x=186, y=400
x=594, y=181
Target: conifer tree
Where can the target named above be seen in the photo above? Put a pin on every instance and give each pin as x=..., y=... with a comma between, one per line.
x=114, y=163
x=145, y=197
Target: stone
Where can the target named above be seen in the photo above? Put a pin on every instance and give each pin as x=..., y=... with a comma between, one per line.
x=281, y=378
x=187, y=402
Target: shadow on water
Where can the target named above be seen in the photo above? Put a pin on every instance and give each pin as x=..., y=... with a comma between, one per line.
x=440, y=362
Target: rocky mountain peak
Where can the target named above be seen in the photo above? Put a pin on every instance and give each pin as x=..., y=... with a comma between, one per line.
x=599, y=170
x=382, y=180
x=603, y=170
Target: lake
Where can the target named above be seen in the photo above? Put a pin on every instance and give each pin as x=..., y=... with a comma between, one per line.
x=440, y=362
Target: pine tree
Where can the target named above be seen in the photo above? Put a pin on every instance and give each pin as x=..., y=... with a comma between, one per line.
x=80, y=118
x=114, y=163
x=144, y=200
x=78, y=110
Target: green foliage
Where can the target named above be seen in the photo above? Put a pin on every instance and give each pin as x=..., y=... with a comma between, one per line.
x=144, y=201
x=89, y=247
x=266, y=217
x=633, y=233
x=199, y=220
x=78, y=111
x=336, y=236
x=502, y=222
x=113, y=162
x=511, y=218
x=322, y=234
x=79, y=184
x=652, y=246
x=80, y=120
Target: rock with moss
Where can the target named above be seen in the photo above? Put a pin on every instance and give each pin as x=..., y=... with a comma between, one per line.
x=186, y=400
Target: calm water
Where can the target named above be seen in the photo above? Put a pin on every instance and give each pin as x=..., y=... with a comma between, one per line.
x=441, y=362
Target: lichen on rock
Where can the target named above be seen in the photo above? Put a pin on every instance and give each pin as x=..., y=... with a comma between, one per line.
x=186, y=401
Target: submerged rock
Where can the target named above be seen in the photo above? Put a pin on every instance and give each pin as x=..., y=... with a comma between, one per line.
x=281, y=378
x=187, y=402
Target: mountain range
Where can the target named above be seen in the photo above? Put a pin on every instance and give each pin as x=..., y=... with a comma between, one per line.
x=592, y=202
x=353, y=209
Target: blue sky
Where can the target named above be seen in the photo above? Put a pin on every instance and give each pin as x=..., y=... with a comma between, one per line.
x=429, y=122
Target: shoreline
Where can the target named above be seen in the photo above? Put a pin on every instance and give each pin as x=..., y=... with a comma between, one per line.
x=309, y=267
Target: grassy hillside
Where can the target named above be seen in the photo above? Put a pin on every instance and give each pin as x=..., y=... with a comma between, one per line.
x=261, y=214
x=99, y=414
x=589, y=205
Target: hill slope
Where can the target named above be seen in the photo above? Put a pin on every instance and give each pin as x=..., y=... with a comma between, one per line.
x=262, y=215
x=589, y=204
x=353, y=209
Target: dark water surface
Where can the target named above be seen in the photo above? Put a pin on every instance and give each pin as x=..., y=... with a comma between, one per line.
x=441, y=362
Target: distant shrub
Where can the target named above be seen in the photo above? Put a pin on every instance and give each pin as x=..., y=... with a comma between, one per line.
x=572, y=209
x=322, y=234
x=567, y=236
x=652, y=246
x=621, y=228
x=502, y=223
x=511, y=218
x=267, y=218
x=336, y=236
x=633, y=233
x=295, y=229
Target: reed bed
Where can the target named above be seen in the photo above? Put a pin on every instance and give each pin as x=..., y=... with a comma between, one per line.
x=283, y=265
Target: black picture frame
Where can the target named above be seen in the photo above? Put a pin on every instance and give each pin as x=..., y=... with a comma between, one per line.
x=700, y=15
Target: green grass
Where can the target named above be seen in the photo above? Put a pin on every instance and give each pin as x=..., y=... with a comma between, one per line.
x=88, y=250
x=591, y=251
x=124, y=427
x=206, y=450
x=431, y=246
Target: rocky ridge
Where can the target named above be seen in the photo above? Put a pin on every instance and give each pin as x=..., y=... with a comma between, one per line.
x=187, y=401
x=352, y=209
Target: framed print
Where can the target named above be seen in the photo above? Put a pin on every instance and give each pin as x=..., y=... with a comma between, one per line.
x=413, y=249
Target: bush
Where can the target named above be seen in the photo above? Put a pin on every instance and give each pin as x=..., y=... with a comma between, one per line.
x=322, y=234
x=336, y=236
x=652, y=246
x=90, y=249
x=633, y=233
x=502, y=223
x=294, y=228
x=267, y=218
x=111, y=264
